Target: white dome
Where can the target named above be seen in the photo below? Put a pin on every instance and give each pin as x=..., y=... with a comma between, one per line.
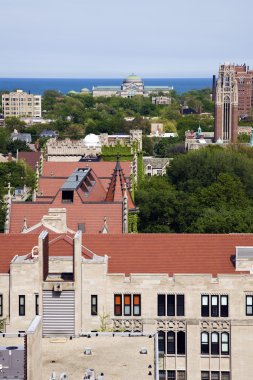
x=92, y=140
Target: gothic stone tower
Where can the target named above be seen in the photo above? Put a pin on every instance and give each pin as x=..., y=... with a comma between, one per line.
x=226, y=105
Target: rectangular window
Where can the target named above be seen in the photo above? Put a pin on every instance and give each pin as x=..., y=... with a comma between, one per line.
x=127, y=304
x=162, y=375
x=67, y=196
x=225, y=376
x=249, y=305
x=180, y=305
x=224, y=306
x=181, y=375
x=21, y=305
x=36, y=304
x=1, y=305
x=214, y=306
x=117, y=304
x=171, y=304
x=161, y=342
x=171, y=342
x=137, y=304
x=215, y=343
x=181, y=343
x=205, y=375
x=94, y=304
x=215, y=376
x=205, y=306
x=224, y=343
x=171, y=375
x=204, y=343
x=161, y=305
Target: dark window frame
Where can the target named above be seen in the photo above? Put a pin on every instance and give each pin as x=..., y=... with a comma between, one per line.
x=248, y=296
x=161, y=305
x=94, y=304
x=21, y=307
x=224, y=352
x=118, y=313
x=171, y=346
x=205, y=346
x=36, y=304
x=171, y=305
x=205, y=309
x=1, y=305
x=136, y=314
x=127, y=314
x=215, y=346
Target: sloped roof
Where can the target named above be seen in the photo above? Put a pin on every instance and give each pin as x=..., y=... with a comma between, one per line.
x=141, y=253
x=168, y=253
x=101, y=168
x=31, y=158
x=156, y=162
x=20, y=244
x=91, y=214
x=116, y=187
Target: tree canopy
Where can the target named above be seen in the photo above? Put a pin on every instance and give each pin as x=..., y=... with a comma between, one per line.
x=205, y=191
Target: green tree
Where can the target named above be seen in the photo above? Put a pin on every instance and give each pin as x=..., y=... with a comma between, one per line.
x=13, y=146
x=156, y=199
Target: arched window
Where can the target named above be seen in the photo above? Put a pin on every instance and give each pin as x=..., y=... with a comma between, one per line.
x=224, y=343
x=215, y=343
x=204, y=343
x=161, y=342
x=171, y=342
x=181, y=343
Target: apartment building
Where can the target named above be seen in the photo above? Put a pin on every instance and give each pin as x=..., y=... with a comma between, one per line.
x=194, y=291
x=20, y=103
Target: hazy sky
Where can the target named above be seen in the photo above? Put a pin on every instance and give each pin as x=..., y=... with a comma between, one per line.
x=112, y=38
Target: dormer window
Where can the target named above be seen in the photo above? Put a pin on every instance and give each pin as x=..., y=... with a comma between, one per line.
x=67, y=196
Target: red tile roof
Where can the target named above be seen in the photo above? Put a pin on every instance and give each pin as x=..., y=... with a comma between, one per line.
x=65, y=169
x=168, y=253
x=141, y=253
x=31, y=158
x=92, y=214
x=11, y=245
x=22, y=244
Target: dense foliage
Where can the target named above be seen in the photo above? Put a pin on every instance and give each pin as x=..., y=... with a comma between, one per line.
x=18, y=174
x=205, y=191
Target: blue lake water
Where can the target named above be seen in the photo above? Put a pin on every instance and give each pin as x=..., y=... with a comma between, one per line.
x=39, y=85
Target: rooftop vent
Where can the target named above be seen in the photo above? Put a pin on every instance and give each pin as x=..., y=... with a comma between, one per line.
x=87, y=351
x=143, y=350
x=244, y=259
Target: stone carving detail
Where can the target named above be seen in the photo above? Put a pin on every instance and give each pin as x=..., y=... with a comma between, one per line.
x=218, y=325
x=133, y=325
x=171, y=324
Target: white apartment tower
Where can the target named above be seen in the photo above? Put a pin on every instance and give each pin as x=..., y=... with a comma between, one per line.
x=20, y=103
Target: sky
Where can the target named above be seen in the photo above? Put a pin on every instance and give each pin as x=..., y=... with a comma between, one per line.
x=113, y=38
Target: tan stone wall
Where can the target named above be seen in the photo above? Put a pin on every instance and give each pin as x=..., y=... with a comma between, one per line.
x=24, y=281
x=34, y=350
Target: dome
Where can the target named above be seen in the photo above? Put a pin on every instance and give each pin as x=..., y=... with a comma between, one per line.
x=132, y=78
x=92, y=140
x=72, y=92
x=84, y=90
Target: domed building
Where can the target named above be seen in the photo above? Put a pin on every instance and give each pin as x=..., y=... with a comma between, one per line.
x=131, y=86
x=92, y=141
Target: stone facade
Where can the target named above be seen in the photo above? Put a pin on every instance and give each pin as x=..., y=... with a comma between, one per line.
x=31, y=275
x=90, y=146
x=20, y=103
